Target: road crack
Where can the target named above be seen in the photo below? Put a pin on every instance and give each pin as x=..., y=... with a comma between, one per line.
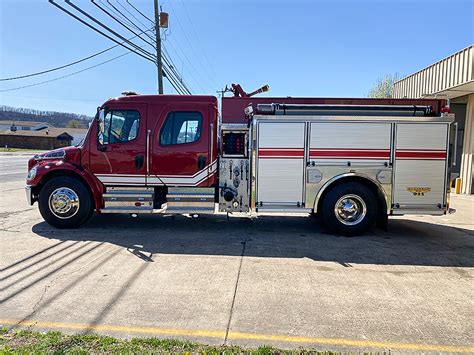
x=242, y=254
x=62, y=275
x=8, y=214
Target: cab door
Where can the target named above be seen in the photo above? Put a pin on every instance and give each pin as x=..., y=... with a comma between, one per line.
x=180, y=145
x=117, y=155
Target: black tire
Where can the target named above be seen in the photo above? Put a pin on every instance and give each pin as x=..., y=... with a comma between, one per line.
x=361, y=211
x=80, y=210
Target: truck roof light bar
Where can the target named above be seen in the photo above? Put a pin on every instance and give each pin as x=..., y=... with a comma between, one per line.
x=356, y=110
x=129, y=93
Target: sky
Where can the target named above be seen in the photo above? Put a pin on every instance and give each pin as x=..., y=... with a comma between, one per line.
x=300, y=47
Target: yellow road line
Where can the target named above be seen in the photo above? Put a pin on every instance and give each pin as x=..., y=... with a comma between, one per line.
x=240, y=335
x=116, y=328
x=353, y=342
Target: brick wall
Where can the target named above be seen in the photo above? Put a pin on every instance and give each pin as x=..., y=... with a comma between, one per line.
x=27, y=142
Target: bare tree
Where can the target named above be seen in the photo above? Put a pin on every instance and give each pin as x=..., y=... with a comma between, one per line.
x=56, y=119
x=384, y=87
x=76, y=124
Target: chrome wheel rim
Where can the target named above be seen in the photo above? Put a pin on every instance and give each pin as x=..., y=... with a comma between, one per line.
x=64, y=203
x=350, y=210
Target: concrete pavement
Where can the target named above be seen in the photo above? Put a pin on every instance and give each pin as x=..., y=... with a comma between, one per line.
x=283, y=281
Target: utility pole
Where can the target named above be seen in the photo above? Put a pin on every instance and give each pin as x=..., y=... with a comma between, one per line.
x=159, y=65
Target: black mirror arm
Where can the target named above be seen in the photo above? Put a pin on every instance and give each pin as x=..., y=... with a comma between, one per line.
x=101, y=147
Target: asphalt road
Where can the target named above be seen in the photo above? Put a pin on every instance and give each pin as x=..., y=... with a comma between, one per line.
x=13, y=167
x=283, y=281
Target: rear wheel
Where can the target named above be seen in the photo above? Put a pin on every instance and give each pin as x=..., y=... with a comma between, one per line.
x=64, y=202
x=349, y=209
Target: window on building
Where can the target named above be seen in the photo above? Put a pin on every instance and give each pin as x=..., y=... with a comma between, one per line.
x=119, y=126
x=181, y=128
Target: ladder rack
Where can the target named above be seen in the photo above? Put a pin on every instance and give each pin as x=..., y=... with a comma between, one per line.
x=351, y=110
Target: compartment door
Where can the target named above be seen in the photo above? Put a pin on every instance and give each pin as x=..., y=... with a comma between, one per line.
x=281, y=160
x=420, y=167
x=340, y=143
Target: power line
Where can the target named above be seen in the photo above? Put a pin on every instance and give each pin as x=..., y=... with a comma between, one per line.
x=113, y=9
x=194, y=70
x=173, y=81
x=66, y=76
x=172, y=76
x=65, y=65
x=124, y=17
x=176, y=82
x=196, y=33
x=51, y=98
x=172, y=73
x=171, y=66
x=185, y=86
x=121, y=23
x=123, y=7
x=141, y=13
x=77, y=8
x=190, y=44
x=60, y=67
x=166, y=54
x=101, y=33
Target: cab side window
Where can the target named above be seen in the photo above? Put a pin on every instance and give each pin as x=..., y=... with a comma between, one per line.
x=120, y=126
x=181, y=128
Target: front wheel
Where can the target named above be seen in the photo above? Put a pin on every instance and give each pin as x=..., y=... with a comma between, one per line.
x=349, y=209
x=64, y=202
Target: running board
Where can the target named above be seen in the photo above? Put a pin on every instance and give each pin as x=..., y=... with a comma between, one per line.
x=192, y=200
x=283, y=209
x=189, y=210
x=128, y=200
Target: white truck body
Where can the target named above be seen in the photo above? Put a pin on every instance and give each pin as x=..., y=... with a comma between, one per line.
x=294, y=159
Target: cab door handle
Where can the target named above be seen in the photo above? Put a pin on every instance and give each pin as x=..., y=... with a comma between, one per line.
x=201, y=162
x=139, y=159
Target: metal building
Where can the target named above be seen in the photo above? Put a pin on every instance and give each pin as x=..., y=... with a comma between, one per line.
x=452, y=78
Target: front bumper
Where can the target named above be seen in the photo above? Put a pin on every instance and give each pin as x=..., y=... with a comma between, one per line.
x=29, y=195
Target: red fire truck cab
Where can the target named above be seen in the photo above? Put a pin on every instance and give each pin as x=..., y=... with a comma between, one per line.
x=356, y=161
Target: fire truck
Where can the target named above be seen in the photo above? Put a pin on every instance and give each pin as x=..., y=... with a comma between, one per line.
x=353, y=161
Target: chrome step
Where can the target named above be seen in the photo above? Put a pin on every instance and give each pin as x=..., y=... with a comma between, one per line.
x=191, y=191
x=190, y=200
x=127, y=209
x=189, y=210
x=129, y=189
x=128, y=200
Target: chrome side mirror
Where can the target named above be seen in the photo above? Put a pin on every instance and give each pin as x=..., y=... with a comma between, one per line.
x=100, y=127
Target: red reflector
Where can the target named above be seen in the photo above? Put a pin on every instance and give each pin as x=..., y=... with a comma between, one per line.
x=138, y=204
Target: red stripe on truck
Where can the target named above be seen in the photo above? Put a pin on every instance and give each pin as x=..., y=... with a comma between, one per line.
x=281, y=153
x=418, y=154
x=349, y=153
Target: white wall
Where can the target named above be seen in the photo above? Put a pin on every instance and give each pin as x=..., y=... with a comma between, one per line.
x=77, y=136
x=467, y=165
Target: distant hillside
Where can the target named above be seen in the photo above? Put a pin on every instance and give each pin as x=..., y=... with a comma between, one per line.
x=57, y=119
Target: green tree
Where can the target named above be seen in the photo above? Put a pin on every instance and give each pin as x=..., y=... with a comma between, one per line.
x=384, y=86
x=75, y=124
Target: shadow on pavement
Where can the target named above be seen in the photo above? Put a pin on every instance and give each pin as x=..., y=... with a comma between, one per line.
x=406, y=243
